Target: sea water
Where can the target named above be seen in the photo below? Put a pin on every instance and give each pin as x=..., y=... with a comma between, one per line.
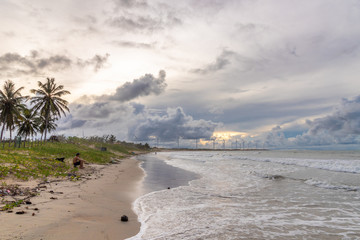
x=255, y=195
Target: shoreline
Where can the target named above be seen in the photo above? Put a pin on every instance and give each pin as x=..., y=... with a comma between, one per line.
x=87, y=209
x=159, y=176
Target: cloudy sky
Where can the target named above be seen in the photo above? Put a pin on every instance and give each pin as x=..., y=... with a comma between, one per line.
x=270, y=72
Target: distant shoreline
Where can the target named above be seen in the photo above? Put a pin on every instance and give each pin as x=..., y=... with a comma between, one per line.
x=205, y=149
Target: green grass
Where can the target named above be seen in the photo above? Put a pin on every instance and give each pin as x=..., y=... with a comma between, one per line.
x=22, y=165
x=54, y=150
x=39, y=161
x=11, y=205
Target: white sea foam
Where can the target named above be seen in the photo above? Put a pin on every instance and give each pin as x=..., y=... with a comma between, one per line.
x=351, y=166
x=245, y=196
x=325, y=184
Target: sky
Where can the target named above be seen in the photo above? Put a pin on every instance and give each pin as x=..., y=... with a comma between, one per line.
x=271, y=73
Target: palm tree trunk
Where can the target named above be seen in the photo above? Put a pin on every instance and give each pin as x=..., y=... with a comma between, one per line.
x=46, y=124
x=45, y=131
x=10, y=137
x=2, y=131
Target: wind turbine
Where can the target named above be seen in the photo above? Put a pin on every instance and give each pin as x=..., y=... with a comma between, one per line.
x=213, y=139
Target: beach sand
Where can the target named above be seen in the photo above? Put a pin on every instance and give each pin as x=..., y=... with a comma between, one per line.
x=85, y=209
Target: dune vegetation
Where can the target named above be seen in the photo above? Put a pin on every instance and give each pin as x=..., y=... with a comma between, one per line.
x=39, y=160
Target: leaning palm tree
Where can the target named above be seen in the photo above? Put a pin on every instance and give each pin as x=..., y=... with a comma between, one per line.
x=48, y=101
x=10, y=105
x=29, y=123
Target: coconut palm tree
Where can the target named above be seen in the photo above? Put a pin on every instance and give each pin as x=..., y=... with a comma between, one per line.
x=29, y=123
x=48, y=101
x=10, y=105
x=51, y=126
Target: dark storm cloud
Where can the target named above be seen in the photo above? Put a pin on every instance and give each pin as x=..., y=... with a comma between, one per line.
x=141, y=17
x=90, y=111
x=172, y=125
x=143, y=86
x=130, y=3
x=70, y=123
x=138, y=23
x=138, y=108
x=218, y=4
x=134, y=121
x=345, y=119
x=77, y=123
x=250, y=115
x=36, y=63
x=342, y=126
x=61, y=62
x=274, y=138
x=129, y=44
x=220, y=63
x=116, y=114
x=96, y=116
x=97, y=62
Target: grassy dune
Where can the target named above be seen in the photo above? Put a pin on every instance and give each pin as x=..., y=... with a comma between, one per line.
x=39, y=161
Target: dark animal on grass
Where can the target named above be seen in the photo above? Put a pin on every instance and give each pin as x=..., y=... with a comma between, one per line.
x=60, y=159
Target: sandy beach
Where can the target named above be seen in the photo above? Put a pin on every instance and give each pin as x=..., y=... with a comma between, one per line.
x=90, y=208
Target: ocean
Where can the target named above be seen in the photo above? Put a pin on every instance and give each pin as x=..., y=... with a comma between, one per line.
x=276, y=194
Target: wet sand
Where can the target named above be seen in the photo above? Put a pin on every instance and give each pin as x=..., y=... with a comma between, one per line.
x=86, y=209
x=160, y=175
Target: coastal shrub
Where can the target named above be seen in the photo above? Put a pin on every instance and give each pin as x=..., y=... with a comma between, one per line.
x=11, y=205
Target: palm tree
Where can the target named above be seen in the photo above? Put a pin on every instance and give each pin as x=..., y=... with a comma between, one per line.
x=29, y=123
x=50, y=127
x=48, y=100
x=10, y=105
